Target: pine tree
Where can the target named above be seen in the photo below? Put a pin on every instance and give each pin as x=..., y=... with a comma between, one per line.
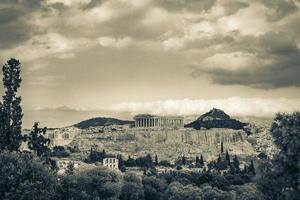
x=37, y=142
x=11, y=111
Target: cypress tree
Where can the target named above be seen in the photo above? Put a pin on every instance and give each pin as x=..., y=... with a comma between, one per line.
x=245, y=170
x=183, y=160
x=197, y=160
x=236, y=163
x=156, y=160
x=251, y=168
x=227, y=157
x=222, y=147
x=201, y=160
x=11, y=111
x=219, y=159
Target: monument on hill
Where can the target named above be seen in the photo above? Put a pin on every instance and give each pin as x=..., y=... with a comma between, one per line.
x=154, y=121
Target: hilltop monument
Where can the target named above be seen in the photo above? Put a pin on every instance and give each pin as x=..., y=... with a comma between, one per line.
x=155, y=121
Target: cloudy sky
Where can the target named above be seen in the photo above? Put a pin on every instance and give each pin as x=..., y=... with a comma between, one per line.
x=158, y=56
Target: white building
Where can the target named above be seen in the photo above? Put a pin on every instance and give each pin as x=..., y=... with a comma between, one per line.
x=111, y=163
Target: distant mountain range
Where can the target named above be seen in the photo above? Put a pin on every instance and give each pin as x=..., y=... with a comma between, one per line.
x=216, y=118
x=101, y=121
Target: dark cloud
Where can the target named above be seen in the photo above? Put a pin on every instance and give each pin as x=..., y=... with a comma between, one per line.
x=280, y=8
x=233, y=6
x=14, y=17
x=191, y=5
x=93, y=3
x=279, y=64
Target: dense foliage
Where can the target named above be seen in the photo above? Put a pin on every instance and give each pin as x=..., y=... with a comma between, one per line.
x=10, y=109
x=91, y=184
x=280, y=177
x=24, y=176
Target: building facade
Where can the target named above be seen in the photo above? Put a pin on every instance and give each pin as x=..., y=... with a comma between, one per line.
x=62, y=136
x=154, y=121
x=111, y=163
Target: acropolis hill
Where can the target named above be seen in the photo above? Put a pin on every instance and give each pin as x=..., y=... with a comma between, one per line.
x=164, y=136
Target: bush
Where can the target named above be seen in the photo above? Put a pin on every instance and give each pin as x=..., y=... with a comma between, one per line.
x=165, y=163
x=74, y=149
x=132, y=188
x=126, y=137
x=25, y=177
x=92, y=184
x=154, y=187
x=59, y=151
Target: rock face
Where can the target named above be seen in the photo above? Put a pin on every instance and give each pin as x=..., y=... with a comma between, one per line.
x=101, y=121
x=167, y=144
x=216, y=118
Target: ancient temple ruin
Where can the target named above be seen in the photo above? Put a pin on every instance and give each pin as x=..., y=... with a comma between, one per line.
x=154, y=121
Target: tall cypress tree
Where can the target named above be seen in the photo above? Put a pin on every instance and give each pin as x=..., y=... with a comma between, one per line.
x=236, y=163
x=201, y=160
x=222, y=147
x=227, y=158
x=183, y=160
x=197, y=160
x=11, y=111
x=251, y=168
x=156, y=160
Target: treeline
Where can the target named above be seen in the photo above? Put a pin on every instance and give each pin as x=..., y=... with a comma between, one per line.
x=33, y=180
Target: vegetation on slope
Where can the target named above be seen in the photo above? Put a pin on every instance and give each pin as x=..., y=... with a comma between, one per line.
x=101, y=121
x=216, y=118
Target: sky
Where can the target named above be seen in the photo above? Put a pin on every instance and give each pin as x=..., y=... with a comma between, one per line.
x=84, y=58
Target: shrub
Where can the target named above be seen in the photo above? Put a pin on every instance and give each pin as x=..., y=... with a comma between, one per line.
x=24, y=176
x=59, y=151
x=92, y=184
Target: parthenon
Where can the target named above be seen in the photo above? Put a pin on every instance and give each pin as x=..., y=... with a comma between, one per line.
x=154, y=121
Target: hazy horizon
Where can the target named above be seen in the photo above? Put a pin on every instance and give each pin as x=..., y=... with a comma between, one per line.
x=167, y=57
